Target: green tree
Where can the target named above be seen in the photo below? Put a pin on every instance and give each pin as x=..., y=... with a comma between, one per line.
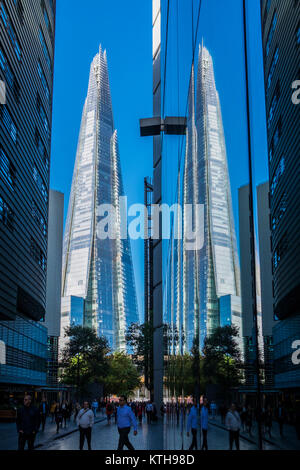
x=222, y=361
x=123, y=377
x=84, y=359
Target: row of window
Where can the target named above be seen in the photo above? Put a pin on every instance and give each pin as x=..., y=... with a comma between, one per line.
x=44, y=81
x=278, y=173
x=6, y=214
x=40, y=183
x=7, y=170
x=45, y=50
x=10, y=30
x=271, y=33
x=273, y=67
x=279, y=211
x=41, y=149
x=280, y=251
x=20, y=10
x=37, y=254
x=9, y=76
x=38, y=218
x=43, y=117
x=275, y=139
x=47, y=21
x=7, y=120
x=274, y=103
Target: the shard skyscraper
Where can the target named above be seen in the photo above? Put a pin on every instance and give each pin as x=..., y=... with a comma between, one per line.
x=212, y=271
x=98, y=270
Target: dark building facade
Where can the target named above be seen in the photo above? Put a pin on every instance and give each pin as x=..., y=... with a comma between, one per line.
x=281, y=51
x=26, y=68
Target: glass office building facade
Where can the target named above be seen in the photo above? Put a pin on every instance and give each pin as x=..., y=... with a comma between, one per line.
x=213, y=270
x=99, y=270
x=281, y=54
x=26, y=67
x=26, y=353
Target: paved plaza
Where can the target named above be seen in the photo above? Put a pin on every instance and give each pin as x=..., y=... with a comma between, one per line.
x=156, y=436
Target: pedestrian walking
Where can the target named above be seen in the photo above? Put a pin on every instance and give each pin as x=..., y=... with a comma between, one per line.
x=58, y=416
x=64, y=411
x=268, y=420
x=125, y=419
x=204, y=424
x=44, y=411
x=233, y=424
x=95, y=407
x=109, y=411
x=28, y=423
x=77, y=408
x=280, y=417
x=192, y=425
x=140, y=413
x=52, y=411
x=249, y=420
x=213, y=408
x=85, y=421
x=149, y=410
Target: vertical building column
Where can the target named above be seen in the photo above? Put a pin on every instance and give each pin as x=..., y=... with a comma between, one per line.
x=157, y=244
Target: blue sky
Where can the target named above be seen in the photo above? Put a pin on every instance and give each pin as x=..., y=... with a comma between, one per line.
x=124, y=30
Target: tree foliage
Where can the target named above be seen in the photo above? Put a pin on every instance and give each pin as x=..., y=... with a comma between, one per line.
x=84, y=359
x=222, y=362
x=123, y=377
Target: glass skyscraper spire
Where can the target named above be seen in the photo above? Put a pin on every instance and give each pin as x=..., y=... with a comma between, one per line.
x=212, y=271
x=98, y=270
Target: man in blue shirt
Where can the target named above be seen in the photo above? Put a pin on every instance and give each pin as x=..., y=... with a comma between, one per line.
x=204, y=423
x=192, y=424
x=125, y=419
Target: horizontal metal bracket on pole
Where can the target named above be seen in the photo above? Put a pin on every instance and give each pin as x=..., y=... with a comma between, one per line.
x=171, y=125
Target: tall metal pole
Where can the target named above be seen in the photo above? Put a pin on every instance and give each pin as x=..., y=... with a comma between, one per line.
x=252, y=239
x=157, y=197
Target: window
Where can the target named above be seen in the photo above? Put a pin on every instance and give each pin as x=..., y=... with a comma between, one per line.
x=20, y=10
x=278, y=173
x=52, y=6
x=6, y=214
x=280, y=251
x=275, y=139
x=7, y=170
x=10, y=30
x=43, y=117
x=37, y=254
x=38, y=218
x=279, y=211
x=47, y=20
x=9, y=76
x=6, y=118
x=271, y=33
x=41, y=149
x=274, y=103
x=298, y=35
x=273, y=67
x=45, y=50
x=44, y=81
x=40, y=183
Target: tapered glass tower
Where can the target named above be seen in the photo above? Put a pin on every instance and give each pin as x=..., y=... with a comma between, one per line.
x=96, y=269
x=212, y=271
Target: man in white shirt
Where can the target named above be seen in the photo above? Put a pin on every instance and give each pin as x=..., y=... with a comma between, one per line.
x=85, y=421
x=233, y=424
